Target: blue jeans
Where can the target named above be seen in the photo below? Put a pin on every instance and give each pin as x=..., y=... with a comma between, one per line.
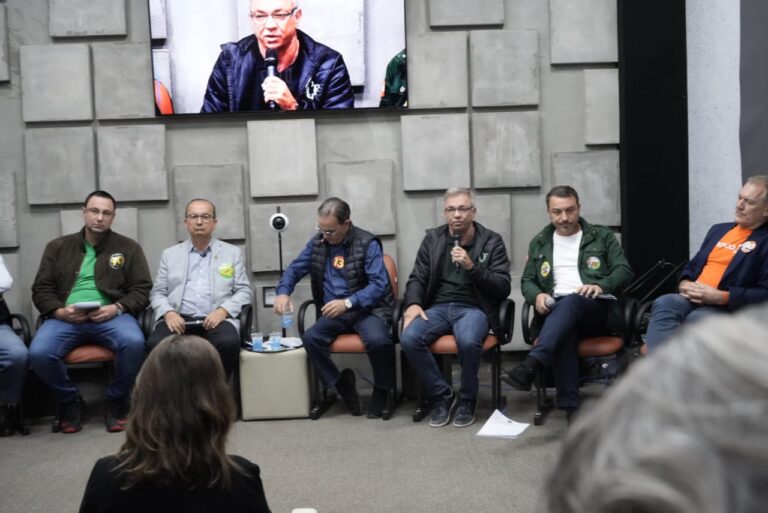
x=376, y=335
x=468, y=324
x=13, y=365
x=56, y=338
x=668, y=313
x=572, y=318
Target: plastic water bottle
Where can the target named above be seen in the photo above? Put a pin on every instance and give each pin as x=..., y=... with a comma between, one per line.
x=287, y=317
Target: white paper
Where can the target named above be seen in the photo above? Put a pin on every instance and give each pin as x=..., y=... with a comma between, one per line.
x=292, y=342
x=502, y=426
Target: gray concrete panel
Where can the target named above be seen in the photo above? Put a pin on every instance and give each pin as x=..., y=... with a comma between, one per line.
x=264, y=247
x=506, y=149
x=216, y=144
x=126, y=221
x=513, y=80
x=367, y=187
x=223, y=186
x=437, y=70
x=595, y=175
x=132, y=162
x=447, y=13
x=282, y=156
x=14, y=296
x=493, y=211
x=60, y=164
x=56, y=83
x=583, y=31
x=435, y=151
x=9, y=236
x=601, y=87
x=5, y=69
x=123, y=81
x=77, y=18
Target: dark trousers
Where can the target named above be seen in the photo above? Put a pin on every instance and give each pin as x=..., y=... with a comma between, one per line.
x=572, y=318
x=224, y=337
x=376, y=335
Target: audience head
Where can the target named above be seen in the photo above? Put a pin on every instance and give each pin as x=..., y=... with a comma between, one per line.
x=181, y=413
x=752, y=205
x=684, y=431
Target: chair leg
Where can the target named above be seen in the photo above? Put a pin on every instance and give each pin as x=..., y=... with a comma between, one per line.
x=423, y=406
x=544, y=403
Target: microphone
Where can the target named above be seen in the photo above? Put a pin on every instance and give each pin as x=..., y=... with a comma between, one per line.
x=271, y=61
x=549, y=302
x=456, y=238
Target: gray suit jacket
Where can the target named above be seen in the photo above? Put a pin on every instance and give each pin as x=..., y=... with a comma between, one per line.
x=230, y=287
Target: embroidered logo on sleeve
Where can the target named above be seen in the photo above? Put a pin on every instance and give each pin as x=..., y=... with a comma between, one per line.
x=593, y=263
x=117, y=260
x=226, y=271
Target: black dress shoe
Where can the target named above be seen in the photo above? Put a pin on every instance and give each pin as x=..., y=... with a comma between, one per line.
x=6, y=422
x=520, y=378
x=346, y=386
x=378, y=402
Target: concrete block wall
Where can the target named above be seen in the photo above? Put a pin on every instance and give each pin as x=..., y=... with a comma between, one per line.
x=508, y=96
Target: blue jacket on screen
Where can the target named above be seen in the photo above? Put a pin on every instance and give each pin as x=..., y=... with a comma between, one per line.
x=746, y=278
x=235, y=82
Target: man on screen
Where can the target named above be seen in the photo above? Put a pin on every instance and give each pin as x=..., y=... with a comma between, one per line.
x=306, y=75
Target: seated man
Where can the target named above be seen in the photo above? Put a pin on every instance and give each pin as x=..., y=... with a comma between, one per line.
x=458, y=282
x=729, y=271
x=89, y=288
x=351, y=287
x=201, y=286
x=572, y=265
x=13, y=364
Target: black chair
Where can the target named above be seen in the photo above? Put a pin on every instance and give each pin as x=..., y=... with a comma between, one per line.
x=445, y=347
x=321, y=397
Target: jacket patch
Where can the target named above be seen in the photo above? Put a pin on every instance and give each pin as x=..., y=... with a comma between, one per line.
x=593, y=263
x=117, y=261
x=545, y=269
x=338, y=262
x=226, y=271
x=483, y=257
x=748, y=246
x=312, y=90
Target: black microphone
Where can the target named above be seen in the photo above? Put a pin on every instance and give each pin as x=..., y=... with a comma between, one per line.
x=456, y=238
x=271, y=61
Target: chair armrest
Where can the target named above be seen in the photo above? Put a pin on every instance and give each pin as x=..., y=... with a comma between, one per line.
x=146, y=320
x=630, y=307
x=302, y=313
x=638, y=326
x=26, y=332
x=507, y=320
x=525, y=317
x=397, y=319
x=246, y=321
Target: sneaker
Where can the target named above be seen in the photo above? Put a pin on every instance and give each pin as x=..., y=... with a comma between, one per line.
x=346, y=386
x=115, y=415
x=71, y=416
x=520, y=378
x=442, y=410
x=378, y=402
x=465, y=413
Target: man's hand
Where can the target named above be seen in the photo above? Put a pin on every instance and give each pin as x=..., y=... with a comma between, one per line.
x=70, y=314
x=333, y=308
x=213, y=319
x=460, y=255
x=175, y=322
x=103, y=313
x=685, y=287
x=277, y=91
x=589, y=290
x=701, y=294
x=411, y=313
x=541, y=303
x=283, y=304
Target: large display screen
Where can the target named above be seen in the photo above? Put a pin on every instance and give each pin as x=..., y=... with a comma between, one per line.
x=214, y=56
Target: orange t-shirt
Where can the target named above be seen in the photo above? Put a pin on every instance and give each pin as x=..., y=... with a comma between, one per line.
x=722, y=254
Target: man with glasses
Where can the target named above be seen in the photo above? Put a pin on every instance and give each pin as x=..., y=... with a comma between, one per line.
x=201, y=286
x=89, y=287
x=351, y=286
x=458, y=282
x=277, y=68
x=573, y=270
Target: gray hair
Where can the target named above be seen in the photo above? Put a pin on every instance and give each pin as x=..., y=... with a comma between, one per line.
x=458, y=191
x=684, y=431
x=335, y=207
x=760, y=180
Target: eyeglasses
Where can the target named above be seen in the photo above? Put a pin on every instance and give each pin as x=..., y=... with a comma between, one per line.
x=461, y=210
x=278, y=17
x=327, y=233
x=95, y=212
x=203, y=217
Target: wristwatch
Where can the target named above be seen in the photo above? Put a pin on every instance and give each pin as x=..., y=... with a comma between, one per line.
x=119, y=309
x=348, y=303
